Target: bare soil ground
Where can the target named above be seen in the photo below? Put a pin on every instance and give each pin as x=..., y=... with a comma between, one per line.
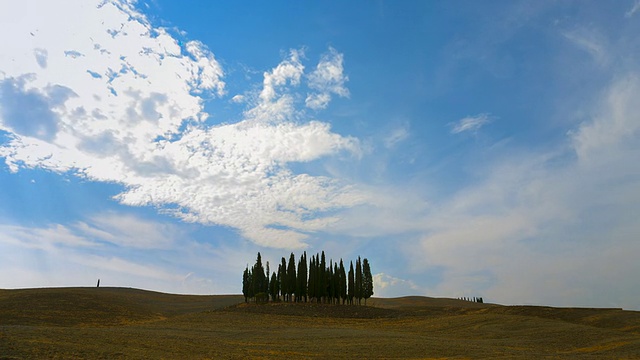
x=117, y=323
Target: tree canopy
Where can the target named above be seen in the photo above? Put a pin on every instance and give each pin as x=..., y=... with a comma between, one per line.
x=309, y=281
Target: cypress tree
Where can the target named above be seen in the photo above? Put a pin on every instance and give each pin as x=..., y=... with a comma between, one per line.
x=336, y=283
x=311, y=282
x=343, y=283
x=267, y=289
x=251, y=286
x=358, y=289
x=367, y=281
x=273, y=287
x=291, y=277
x=322, y=285
x=284, y=288
x=301, y=281
x=304, y=277
x=352, y=286
x=245, y=284
x=330, y=287
x=258, y=276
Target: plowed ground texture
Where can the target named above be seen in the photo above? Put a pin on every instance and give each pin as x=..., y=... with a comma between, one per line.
x=122, y=323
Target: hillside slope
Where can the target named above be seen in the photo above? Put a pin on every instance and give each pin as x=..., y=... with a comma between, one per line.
x=100, y=306
x=117, y=323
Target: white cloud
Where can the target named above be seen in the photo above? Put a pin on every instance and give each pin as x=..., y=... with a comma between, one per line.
x=389, y=286
x=288, y=71
x=634, y=9
x=617, y=125
x=237, y=99
x=555, y=226
x=548, y=228
x=397, y=135
x=147, y=254
x=328, y=78
x=118, y=265
x=55, y=235
x=128, y=231
x=470, y=123
x=106, y=96
x=590, y=41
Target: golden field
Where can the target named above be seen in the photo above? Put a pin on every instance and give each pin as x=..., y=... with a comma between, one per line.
x=123, y=323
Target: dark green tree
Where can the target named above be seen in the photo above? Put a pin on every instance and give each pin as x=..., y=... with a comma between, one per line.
x=352, y=285
x=246, y=284
x=322, y=286
x=367, y=281
x=301, y=282
x=330, y=281
x=267, y=289
x=273, y=287
x=343, y=283
x=259, y=278
x=282, y=270
x=311, y=280
x=358, y=288
x=291, y=277
x=305, y=276
x=336, y=283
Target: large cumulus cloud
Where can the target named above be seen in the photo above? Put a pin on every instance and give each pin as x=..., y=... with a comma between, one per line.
x=110, y=97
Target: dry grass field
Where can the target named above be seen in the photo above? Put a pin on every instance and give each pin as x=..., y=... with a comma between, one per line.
x=117, y=323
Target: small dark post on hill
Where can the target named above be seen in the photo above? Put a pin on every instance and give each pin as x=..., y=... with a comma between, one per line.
x=98, y=283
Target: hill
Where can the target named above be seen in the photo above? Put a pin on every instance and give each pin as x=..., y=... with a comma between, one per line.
x=100, y=306
x=118, y=323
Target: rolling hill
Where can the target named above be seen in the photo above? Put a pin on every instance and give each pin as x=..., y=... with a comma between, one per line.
x=123, y=323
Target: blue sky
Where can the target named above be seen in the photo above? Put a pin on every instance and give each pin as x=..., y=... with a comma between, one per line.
x=466, y=148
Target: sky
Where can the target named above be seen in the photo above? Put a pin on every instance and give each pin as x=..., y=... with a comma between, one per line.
x=465, y=148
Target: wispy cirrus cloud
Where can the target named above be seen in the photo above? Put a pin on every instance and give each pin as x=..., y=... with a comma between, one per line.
x=590, y=41
x=120, y=100
x=547, y=215
x=549, y=226
x=470, y=123
x=121, y=250
x=396, y=136
x=634, y=9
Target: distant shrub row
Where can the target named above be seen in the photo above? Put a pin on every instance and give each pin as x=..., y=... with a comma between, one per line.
x=309, y=281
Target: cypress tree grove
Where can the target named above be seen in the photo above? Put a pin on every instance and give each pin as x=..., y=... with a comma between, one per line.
x=313, y=280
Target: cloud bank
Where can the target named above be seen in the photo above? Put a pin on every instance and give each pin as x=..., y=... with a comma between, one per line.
x=110, y=97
